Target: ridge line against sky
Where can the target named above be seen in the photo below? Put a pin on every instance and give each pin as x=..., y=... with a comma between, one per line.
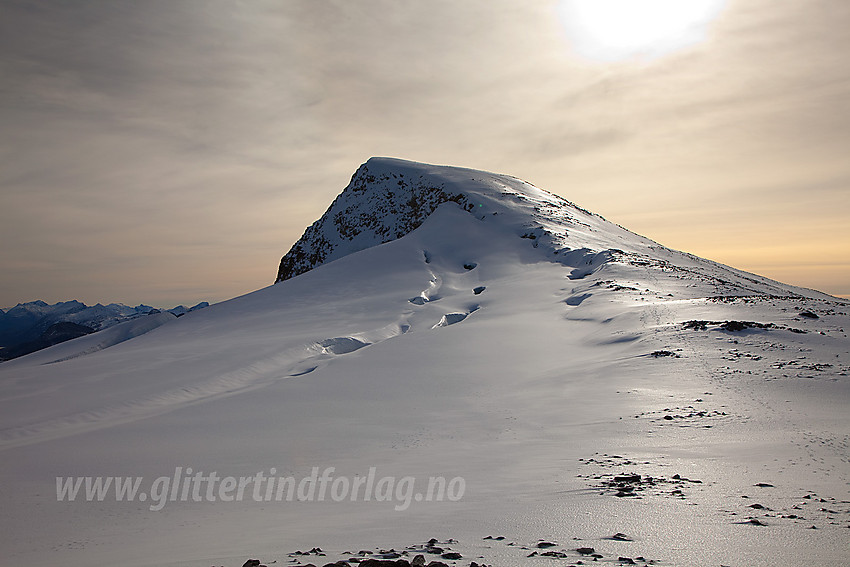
x=171, y=152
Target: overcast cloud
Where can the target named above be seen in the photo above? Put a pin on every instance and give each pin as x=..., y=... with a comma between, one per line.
x=170, y=151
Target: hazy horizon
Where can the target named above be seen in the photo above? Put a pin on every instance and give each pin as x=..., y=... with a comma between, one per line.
x=171, y=152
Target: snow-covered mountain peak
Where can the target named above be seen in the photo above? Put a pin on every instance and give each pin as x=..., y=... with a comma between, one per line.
x=387, y=198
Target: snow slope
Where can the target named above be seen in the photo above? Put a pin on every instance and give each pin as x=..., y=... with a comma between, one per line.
x=535, y=369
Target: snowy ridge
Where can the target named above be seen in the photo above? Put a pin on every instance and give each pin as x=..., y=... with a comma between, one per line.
x=388, y=198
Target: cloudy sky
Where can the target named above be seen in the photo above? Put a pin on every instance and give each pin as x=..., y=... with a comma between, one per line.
x=170, y=151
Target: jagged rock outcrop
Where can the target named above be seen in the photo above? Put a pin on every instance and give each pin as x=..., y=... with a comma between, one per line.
x=388, y=198
x=378, y=206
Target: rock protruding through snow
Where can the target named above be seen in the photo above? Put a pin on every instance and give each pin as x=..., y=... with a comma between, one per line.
x=389, y=198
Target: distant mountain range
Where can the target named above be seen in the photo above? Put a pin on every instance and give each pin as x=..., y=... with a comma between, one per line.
x=35, y=325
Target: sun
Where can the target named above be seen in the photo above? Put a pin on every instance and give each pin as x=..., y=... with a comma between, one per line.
x=610, y=30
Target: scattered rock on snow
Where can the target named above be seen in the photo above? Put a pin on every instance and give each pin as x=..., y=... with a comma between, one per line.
x=627, y=478
x=662, y=353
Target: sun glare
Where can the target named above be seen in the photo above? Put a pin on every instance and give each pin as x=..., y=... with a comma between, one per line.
x=609, y=30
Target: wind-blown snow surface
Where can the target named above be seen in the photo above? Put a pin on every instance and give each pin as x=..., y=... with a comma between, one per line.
x=458, y=350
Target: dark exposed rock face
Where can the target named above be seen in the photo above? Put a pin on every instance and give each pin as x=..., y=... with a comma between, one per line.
x=376, y=207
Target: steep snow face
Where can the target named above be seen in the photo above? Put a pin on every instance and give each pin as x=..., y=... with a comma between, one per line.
x=388, y=198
